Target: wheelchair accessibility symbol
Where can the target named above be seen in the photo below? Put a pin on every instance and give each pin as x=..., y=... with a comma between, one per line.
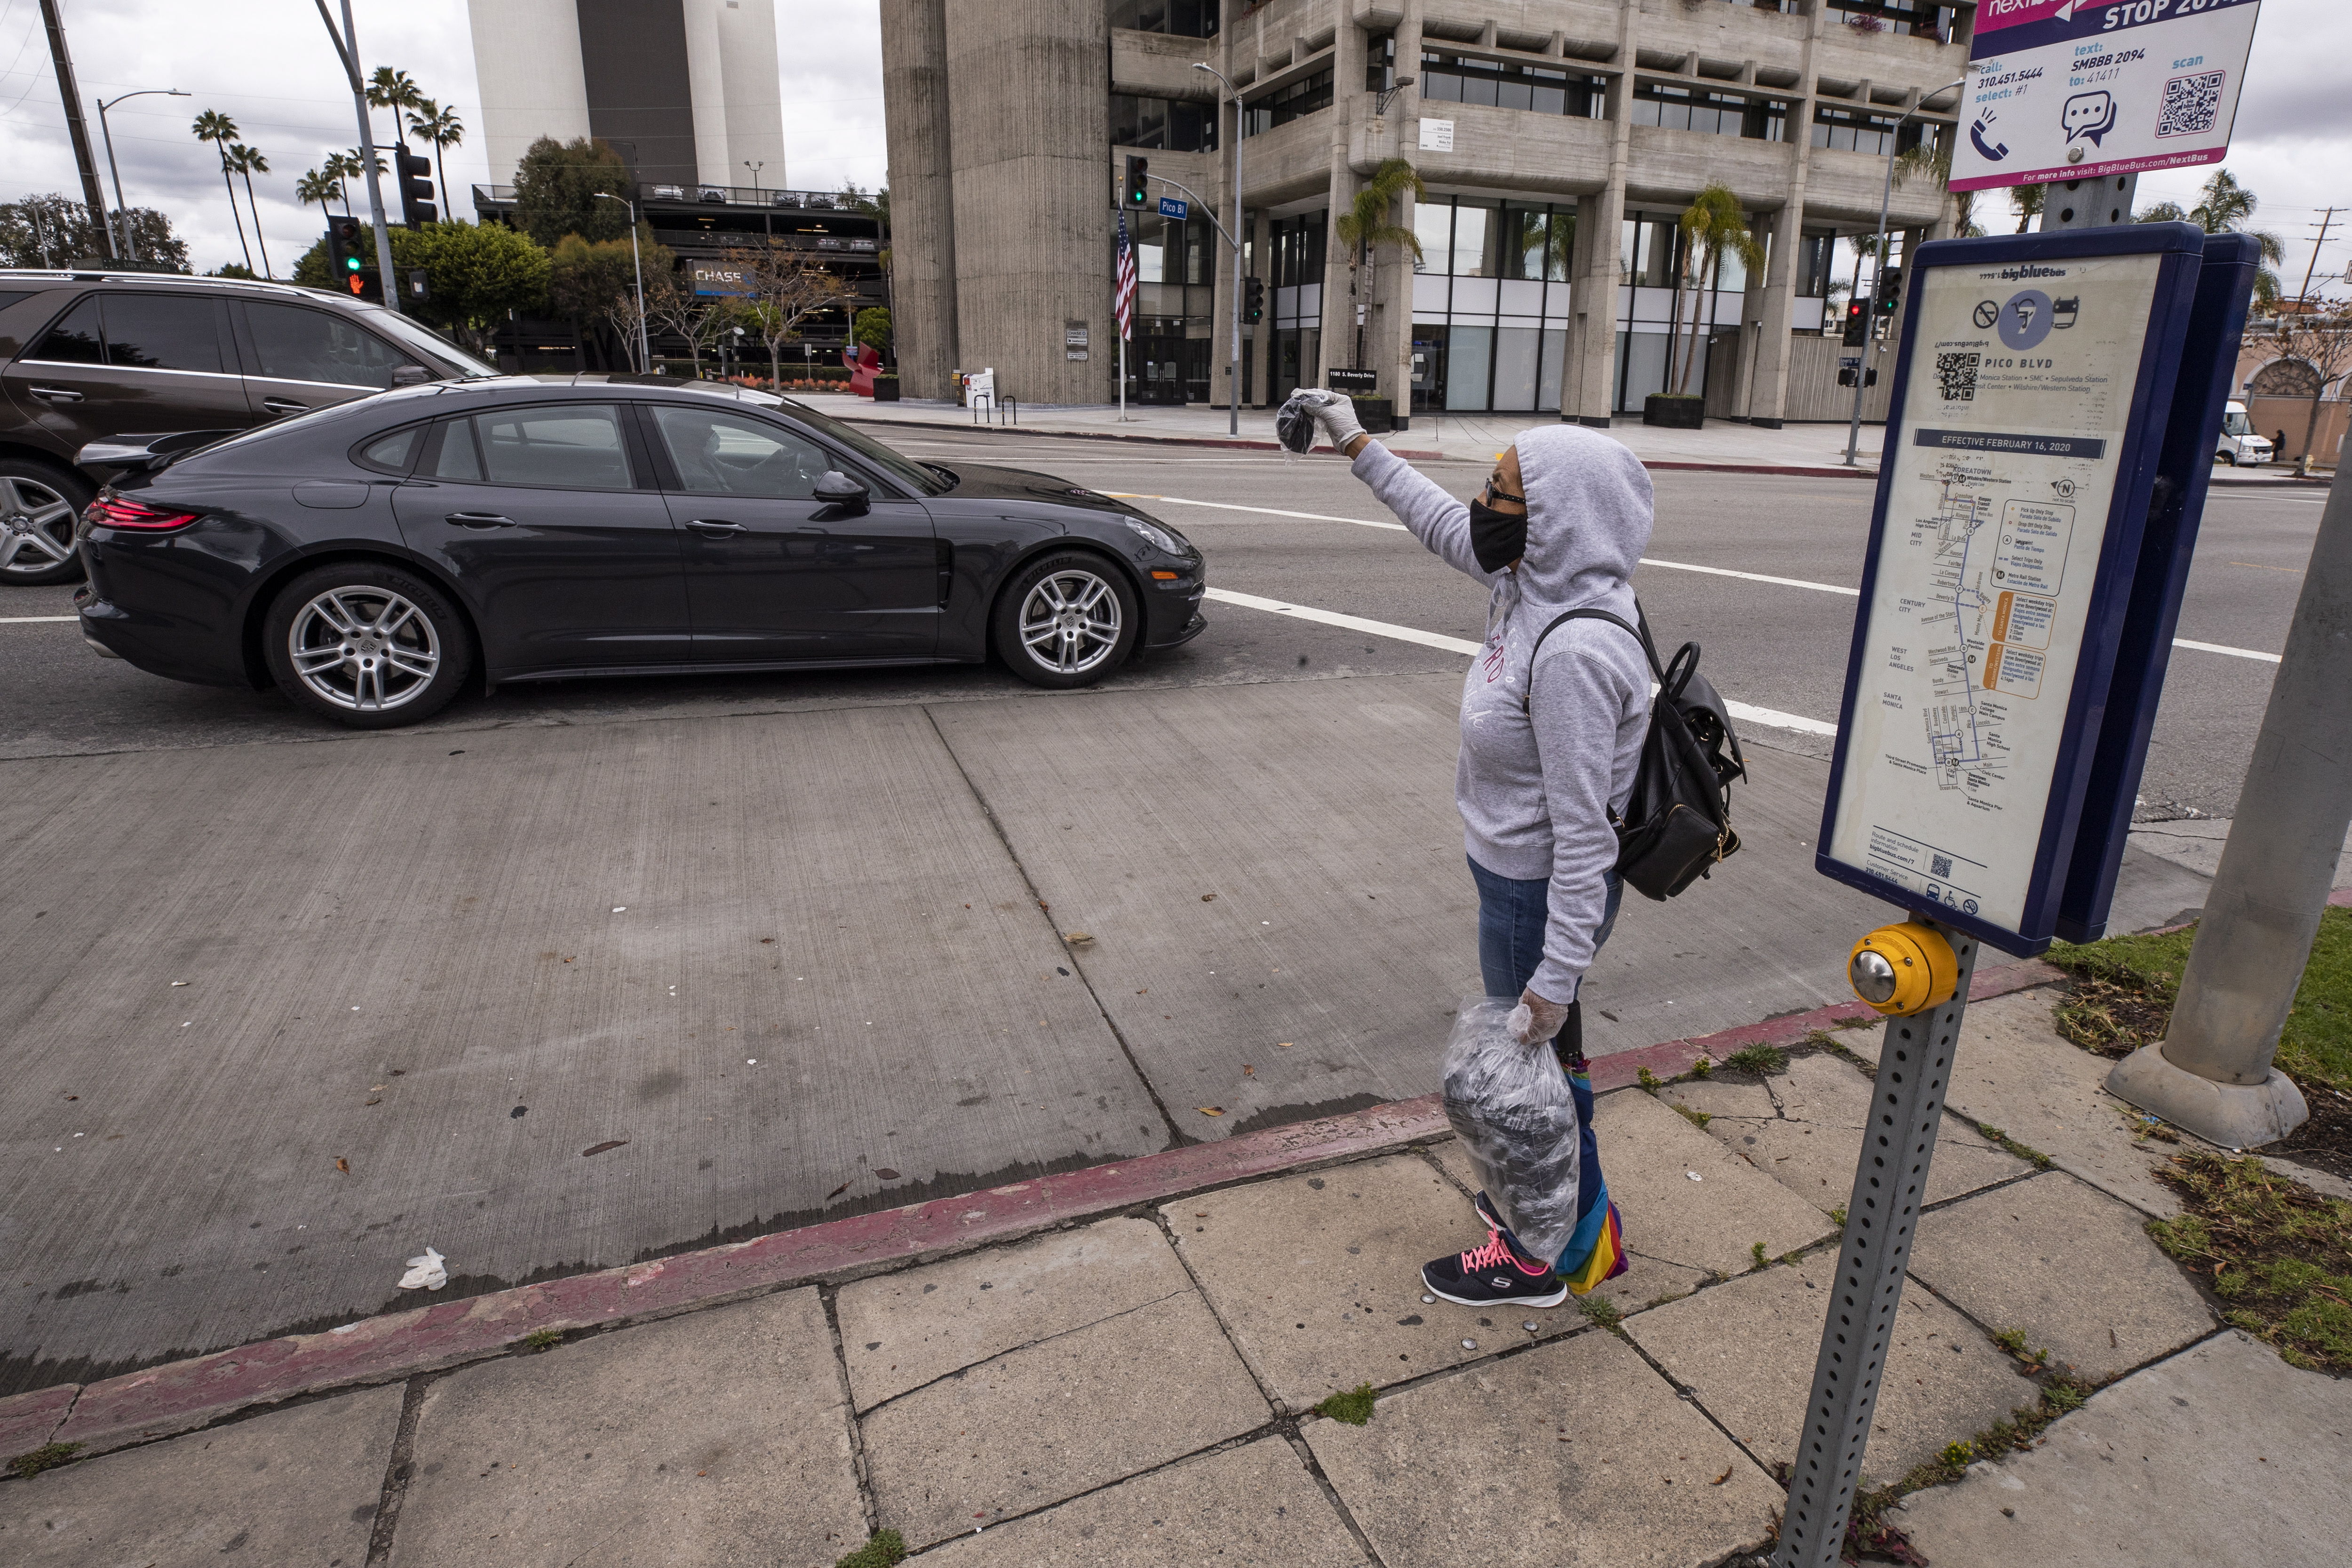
x=1987, y=313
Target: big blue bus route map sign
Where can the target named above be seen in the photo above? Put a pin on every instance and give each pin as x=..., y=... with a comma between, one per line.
x=2074, y=89
x=2033, y=384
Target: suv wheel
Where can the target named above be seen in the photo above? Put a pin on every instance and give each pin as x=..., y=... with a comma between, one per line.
x=1066, y=620
x=38, y=508
x=367, y=644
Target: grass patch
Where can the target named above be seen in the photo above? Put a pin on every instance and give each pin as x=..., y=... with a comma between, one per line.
x=1837, y=1217
x=1761, y=1060
x=1354, y=1408
x=1695, y=1118
x=1756, y=1251
x=2019, y=1432
x=1603, y=1311
x=1701, y=1067
x=2277, y=1252
x=1647, y=1079
x=883, y=1549
x=47, y=1456
x=542, y=1339
x=2032, y=1156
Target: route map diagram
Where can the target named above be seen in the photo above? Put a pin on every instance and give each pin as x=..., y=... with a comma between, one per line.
x=1964, y=740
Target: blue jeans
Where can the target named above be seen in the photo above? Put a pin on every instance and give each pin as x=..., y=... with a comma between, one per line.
x=1512, y=915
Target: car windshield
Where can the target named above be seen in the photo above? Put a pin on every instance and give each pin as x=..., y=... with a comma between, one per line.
x=2236, y=424
x=924, y=480
x=421, y=340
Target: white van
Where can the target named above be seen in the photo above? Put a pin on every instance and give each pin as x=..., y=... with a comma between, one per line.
x=2238, y=445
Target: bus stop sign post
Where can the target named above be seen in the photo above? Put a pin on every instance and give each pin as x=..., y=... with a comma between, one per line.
x=2026, y=465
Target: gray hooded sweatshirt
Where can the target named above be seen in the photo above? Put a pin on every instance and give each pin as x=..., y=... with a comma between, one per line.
x=1539, y=773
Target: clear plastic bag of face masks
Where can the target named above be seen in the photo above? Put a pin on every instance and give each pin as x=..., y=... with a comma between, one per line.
x=1511, y=1107
x=1294, y=426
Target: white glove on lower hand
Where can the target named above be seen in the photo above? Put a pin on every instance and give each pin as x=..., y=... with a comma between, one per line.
x=1536, y=1019
x=1333, y=412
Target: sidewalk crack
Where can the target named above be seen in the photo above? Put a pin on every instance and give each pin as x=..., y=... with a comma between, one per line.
x=1011, y=1350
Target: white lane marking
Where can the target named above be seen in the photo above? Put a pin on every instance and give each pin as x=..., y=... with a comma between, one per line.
x=28, y=620
x=1752, y=576
x=1745, y=713
x=1265, y=510
x=2231, y=652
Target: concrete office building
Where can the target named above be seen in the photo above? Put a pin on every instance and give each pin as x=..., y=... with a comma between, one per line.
x=686, y=91
x=1558, y=141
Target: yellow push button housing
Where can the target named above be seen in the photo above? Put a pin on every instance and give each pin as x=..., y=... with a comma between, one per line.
x=1903, y=969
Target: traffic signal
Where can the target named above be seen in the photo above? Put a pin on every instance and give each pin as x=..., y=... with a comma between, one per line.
x=1137, y=196
x=1890, y=290
x=1857, y=324
x=1253, y=300
x=347, y=258
x=415, y=189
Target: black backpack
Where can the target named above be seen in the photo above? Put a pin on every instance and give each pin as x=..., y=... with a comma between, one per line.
x=1677, y=822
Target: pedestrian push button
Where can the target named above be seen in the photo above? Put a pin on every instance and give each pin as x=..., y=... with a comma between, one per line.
x=1899, y=969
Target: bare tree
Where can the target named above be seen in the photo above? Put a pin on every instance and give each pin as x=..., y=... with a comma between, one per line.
x=781, y=290
x=672, y=307
x=2320, y=336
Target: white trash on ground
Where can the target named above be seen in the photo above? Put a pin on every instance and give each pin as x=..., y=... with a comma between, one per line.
x=1511, y=1106
x=429, y=1273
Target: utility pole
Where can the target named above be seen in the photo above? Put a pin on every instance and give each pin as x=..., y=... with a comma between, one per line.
x=2325, y=219
x=2212, y=1073
x=347, y=47
x=78, y=130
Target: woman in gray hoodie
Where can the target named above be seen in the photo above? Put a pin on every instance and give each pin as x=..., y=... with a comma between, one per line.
x=1550, y=739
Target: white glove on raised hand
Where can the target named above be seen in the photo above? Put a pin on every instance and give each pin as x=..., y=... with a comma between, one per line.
x=1311, y=410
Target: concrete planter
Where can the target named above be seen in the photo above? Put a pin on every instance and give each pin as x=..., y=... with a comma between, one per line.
x=886, y=389
x=1376, y=414
x=1670, y=411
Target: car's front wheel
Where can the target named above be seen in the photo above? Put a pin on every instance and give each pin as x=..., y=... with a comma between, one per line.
x=1066, y=620
x=2229, y=457
x=38, y=507
x=367, y=644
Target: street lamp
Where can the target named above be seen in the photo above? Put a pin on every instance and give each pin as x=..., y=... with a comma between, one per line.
x=755, y=169
x=103, y=105
x=1885, y=195
x=645, y=348
x=1233, y=369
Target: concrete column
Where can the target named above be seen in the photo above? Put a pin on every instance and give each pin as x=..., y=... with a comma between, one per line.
x=1387, y=337
x=2213, y=1073
x=1767, y=376
x=1588, y=371
x=1349, y=108
x=922, y=215
x=1035, y=197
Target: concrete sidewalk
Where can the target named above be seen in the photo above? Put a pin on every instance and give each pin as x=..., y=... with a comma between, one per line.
x=1136, y=1383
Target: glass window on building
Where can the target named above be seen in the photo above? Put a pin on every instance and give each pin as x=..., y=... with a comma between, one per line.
x=1285, y=104
x=1186, y=18
x=1854, y=131
x=1490, y=304
x=1535, y=242
x=1450, y=78
x=1475, y=230
x=1648, y=251
x=1379, y=63
x=1918, y=18
x=1813, y=250
x=1433, y=225
x=1717, y=113
x=1178, y=125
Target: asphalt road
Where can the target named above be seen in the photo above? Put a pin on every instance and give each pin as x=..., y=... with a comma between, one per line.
x=585, y=973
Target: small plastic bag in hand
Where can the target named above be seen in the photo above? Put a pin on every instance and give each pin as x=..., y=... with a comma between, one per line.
x=1511, y=1106
x=1294, y=426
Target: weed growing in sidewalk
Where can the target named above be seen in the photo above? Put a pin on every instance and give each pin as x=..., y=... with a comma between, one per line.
x=1648, y=1081
x=1756, y=1251
x=1701, y=1067
x=47, y=1456
x=1354, y=1408
x=2277, y=1252
x=1695, y=1118
x=883, y=1549
x=1602, y=1311
x=1866, y=1527
x=542, y=1339
x=1761, y=1060
x=1837, y=1217
x=1994, y=1135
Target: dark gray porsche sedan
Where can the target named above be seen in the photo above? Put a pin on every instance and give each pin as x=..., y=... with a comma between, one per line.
x=375, y=558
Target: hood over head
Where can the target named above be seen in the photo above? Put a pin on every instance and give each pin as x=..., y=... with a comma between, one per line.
x=1589, y=515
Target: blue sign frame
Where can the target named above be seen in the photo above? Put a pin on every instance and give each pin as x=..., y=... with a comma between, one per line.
x=2179, y=248
x=2209, y=368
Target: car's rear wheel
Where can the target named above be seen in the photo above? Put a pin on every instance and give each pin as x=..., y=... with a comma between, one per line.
x=367, y=644
x=38, y=508
x=1066, y=620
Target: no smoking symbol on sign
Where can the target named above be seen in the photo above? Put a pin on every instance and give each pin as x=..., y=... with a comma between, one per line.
x=1987, y=313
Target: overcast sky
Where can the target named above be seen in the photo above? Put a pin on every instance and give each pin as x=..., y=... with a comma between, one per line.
x=268, y=65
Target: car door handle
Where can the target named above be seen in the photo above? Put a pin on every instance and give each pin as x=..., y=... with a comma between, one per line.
x=56, y=394
x=284, y=406
x=714, y=527
x=479, y=519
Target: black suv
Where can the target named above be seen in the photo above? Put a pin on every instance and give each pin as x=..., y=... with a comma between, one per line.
x=85, y=356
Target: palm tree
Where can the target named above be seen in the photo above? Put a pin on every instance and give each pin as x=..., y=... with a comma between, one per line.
x=219, y=129
x=395, y=90
x=2027, y=200
x=342, y=168
x=1710, y=226
x=1366, y=224
x=320, y=186
x=1934, y=158
x=2225, y=208
x=248, y=162
x=440, y=126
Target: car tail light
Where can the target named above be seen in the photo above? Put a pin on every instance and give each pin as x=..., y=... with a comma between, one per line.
x=118, y=512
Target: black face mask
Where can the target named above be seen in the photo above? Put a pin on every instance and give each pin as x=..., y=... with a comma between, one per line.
x=1497, y=538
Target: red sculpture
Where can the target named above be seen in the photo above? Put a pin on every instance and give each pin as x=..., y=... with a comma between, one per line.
x=864, y=365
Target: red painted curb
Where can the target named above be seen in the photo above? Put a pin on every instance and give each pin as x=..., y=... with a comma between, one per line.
x=183, y=1395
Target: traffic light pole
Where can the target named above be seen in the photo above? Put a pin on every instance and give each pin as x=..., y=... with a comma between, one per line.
x=347, y=46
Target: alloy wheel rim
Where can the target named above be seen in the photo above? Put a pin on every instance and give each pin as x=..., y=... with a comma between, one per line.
x=1071, y=621
x=36, y=527
x=364, y=650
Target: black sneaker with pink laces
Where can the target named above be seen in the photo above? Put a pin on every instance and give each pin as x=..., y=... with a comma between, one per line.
x=1495, y=1275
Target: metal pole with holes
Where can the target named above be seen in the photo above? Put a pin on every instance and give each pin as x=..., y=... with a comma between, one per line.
x=1881, y=1219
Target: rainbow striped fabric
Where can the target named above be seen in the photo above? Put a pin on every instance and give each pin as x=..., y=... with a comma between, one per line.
x=1596, y=1252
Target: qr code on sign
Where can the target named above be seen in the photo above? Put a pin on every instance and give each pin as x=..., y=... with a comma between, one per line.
x=1956, y=376
x=1939, y=865
x=2191, y=104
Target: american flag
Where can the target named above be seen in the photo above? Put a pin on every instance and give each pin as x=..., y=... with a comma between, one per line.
x=1123, y=285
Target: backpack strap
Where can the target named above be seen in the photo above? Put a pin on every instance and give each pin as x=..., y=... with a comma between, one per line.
x=1642, y=633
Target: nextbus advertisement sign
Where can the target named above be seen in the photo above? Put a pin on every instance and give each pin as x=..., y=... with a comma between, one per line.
x=2073, y=89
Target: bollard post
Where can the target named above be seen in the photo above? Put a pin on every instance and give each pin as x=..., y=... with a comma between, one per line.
x=2212, y=1074
x=1881, y=1219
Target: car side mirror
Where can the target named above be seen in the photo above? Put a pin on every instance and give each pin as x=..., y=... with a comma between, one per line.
x=837, y=488
x=410, y=376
